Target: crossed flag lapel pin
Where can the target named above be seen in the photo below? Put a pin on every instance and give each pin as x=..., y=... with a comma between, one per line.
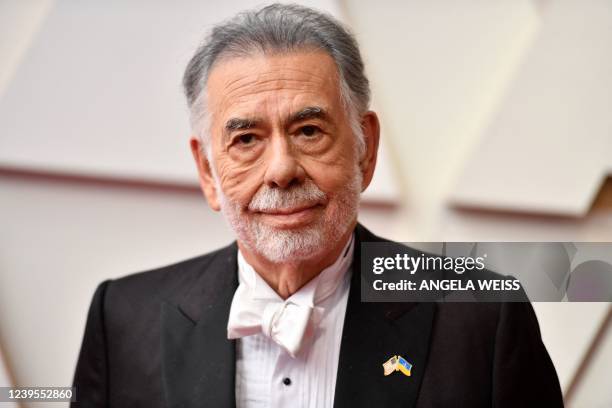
x=397, y=363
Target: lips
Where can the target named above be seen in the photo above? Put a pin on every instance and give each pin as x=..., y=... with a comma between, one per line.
x=287, y=211
x=291, y=218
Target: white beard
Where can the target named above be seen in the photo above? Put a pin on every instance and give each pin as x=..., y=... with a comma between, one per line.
x=280, y=245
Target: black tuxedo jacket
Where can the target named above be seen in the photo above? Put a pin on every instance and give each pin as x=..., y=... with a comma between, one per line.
x=158, y=339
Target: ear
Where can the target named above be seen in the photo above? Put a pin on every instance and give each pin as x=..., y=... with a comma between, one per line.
x=207, y=182
x=371, y=132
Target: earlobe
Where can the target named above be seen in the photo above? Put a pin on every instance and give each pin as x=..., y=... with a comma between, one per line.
x=207, y=182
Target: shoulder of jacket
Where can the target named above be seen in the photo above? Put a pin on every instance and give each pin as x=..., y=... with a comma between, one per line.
x=163, y=282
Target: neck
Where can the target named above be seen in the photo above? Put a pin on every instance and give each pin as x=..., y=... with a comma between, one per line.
x=287, y=278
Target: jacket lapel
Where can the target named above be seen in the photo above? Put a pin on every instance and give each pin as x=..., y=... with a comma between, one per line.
x=373, y=333
x=198, y=361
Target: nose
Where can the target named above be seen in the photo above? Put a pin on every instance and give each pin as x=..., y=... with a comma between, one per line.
x=283, y=170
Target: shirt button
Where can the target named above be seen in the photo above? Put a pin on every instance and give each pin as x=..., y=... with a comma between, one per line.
x=287, y=381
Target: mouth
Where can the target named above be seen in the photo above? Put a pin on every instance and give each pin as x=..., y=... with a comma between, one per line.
x=287, y=218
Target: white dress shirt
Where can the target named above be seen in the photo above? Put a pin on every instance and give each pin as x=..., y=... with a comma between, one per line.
x=266, y=373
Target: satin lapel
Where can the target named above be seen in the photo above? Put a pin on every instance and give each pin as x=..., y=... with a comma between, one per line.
x=373, y=333
x=198, y=361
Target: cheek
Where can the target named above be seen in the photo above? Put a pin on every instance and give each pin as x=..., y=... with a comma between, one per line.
x=239, y=183
x=332, y=178
x=334, y=171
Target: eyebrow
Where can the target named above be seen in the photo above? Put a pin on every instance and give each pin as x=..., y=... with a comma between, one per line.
x=240, y=124
x=309, y=112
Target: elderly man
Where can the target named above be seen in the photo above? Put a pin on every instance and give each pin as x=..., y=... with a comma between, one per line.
x=284, y=144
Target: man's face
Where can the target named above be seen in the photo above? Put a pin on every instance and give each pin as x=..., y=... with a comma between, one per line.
x=286, y=173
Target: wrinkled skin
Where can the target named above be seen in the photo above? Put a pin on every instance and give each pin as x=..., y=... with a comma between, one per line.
x=277, y=123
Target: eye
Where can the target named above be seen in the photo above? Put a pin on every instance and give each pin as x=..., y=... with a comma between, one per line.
x=309, y=130
x=245, y=139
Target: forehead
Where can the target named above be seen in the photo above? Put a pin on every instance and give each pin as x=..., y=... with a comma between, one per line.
x=264, y=82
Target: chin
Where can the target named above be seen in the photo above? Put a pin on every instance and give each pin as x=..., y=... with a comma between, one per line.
x=281, y=245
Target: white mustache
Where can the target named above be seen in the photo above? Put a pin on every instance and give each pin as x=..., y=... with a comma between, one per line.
x=277, y=199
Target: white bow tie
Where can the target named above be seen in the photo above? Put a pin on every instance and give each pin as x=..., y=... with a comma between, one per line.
x=287, y=323
x=257, y=308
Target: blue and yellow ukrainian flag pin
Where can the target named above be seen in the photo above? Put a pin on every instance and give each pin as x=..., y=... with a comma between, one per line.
x=397, y=363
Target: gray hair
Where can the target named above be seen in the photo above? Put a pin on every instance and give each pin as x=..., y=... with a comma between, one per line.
x=279, y=28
